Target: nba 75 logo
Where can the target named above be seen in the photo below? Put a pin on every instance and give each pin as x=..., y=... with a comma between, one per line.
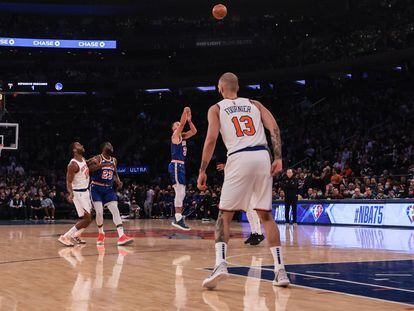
x=317, y=211
x=410, y=213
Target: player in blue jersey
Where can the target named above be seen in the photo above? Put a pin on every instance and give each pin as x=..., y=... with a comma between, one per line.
x=103, y=175
x=177, y=166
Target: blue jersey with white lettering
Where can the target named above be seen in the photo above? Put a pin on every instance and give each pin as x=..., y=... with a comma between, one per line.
x=105, y=175
x=179, y=151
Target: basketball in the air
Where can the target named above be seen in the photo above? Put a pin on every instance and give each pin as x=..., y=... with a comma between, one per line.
x=219, y=11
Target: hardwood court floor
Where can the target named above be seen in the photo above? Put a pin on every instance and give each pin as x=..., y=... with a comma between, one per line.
x=164, y=268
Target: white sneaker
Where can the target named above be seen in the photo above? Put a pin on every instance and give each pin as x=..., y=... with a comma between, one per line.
x=281, y=278
x=65, y=241
x=219, y=273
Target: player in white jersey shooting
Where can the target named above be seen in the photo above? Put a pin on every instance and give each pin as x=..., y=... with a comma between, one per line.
x=77, y=184
x=248, y=172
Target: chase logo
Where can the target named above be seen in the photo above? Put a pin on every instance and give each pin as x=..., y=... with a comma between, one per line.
x=6, y=41
x=317, y=211
x=410, y=213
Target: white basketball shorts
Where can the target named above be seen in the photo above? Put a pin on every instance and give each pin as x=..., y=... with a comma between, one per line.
x=247, y=174
x=82, y=201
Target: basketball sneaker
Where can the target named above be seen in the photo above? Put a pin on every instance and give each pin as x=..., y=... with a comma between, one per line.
x=281, y=278
x=65, y=241
x=78, y=240
x=249, y=239
x=125, y=240
x=101, y=239
x=219, y=273
x=181, y=225
x=257, y=239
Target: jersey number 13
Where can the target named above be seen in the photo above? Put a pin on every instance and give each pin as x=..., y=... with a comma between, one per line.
x=247, y=123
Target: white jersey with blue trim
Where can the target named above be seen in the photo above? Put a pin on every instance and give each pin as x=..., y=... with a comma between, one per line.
x=241, y=124
x=81, y=177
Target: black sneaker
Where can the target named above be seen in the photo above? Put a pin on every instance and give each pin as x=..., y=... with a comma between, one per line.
x=257, y=239
x=181, y=224
x=249, y=239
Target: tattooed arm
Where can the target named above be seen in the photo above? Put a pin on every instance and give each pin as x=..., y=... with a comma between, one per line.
x=270, y=124
x=209, y=145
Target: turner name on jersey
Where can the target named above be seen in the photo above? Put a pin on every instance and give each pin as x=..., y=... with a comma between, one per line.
x=234, y=109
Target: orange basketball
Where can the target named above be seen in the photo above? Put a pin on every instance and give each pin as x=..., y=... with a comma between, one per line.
x=219, y=11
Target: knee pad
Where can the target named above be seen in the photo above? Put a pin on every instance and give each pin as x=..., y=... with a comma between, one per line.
x=179, y=195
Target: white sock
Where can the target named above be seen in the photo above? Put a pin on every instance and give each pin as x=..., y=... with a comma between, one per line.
x=178, y=216
x=101, y=230
x=277, y=257
x=259, y=230
x=258, y=226
x=71, y=232
x=221, y=252
x=120, y=230
x=254, y=221
x=79, y=232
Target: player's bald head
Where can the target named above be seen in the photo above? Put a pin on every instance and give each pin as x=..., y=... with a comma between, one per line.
x=229, y=82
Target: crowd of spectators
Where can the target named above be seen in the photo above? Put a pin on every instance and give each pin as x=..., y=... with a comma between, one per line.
x=344, y=139
x=28, y=197
x=356, y=142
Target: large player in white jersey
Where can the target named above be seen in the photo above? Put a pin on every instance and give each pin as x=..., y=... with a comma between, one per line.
x=77, y=184
x=248, y=172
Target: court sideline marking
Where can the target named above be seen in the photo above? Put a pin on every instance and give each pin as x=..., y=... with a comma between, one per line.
x=321, y=290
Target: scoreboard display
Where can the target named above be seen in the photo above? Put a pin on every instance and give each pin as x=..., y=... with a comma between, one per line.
x=51, y=87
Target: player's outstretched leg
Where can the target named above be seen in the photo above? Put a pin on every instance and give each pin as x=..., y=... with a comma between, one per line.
x=99, y=222
x=178, y=203
x=256, y=236
x=73, y=233
x=273, y=238
x=116, y=217
x=222, y=238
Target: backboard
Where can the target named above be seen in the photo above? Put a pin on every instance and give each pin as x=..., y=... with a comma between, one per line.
x=9, y=136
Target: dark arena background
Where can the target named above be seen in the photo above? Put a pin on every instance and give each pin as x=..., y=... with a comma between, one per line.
x=337, y=76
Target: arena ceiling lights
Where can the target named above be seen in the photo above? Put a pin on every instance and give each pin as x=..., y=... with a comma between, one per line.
x=165, y=90
x=206, y=88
